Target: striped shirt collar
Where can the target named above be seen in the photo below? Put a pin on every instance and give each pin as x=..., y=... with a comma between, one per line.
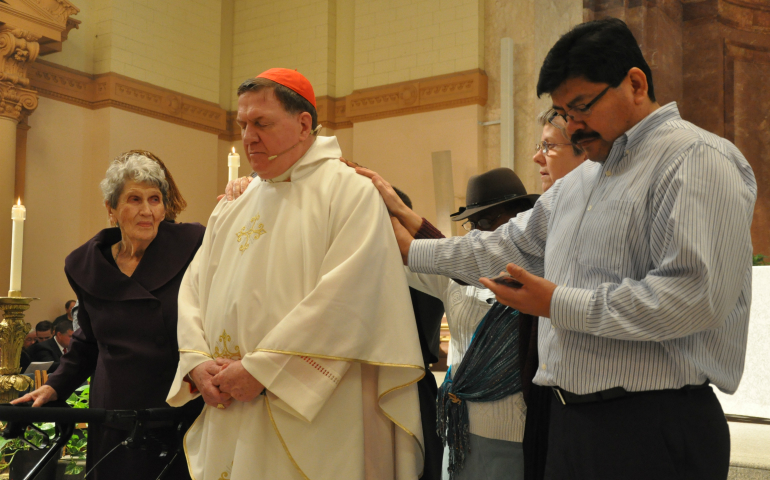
x=649, y=123
x=641, y=130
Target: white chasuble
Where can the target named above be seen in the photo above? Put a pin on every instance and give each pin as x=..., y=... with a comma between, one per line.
x=303, y=282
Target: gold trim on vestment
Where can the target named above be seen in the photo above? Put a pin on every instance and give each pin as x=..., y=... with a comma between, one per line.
x=328, y=357
x=280, y=437
x=187, y=350
x=184, y=444
x=344, y=359
x=379, y=364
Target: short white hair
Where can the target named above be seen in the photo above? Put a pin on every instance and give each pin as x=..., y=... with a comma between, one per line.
x=136, y=167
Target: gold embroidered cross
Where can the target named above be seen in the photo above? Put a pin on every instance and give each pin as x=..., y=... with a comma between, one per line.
x=226, y=353
x=247, y=234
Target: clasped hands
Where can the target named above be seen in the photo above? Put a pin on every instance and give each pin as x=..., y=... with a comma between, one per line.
x=222, y=380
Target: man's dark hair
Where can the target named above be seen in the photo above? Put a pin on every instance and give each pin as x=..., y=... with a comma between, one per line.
x=290, y=100
x=63, y=327
x=602, y=51
x=43, y=326
x=67, y=304
x=404, y=198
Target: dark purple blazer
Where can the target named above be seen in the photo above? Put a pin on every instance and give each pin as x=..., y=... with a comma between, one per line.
x=127, y=338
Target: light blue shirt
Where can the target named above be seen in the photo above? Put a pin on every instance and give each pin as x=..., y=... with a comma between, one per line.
x=651, y=251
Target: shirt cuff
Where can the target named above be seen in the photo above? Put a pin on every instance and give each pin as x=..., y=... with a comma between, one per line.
x=427, y=230
x=421, y=254
x=569, y=308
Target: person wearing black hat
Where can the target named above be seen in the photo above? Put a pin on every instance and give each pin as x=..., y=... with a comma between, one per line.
x=494, y=447
x=638, y=264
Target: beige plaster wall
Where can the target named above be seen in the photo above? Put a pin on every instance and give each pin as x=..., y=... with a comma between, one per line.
x=345, y=139
x=400, y=40
x=400, y=150
x=267, y=34
x=172, y=43
x=66, y=159
x=226, y=38
x=78, y=50
x=524, y=22
x=345, y=47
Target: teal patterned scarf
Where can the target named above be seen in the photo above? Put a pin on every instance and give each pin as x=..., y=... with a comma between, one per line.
x=489, y=371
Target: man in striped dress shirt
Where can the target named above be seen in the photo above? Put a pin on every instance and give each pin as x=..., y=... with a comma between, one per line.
x=639, y=265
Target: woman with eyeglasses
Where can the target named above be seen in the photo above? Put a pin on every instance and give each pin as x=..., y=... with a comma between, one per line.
x=554, y=152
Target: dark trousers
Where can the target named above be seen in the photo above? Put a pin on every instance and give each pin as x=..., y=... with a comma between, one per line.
x=434, y=450
x=660, y=435
x=535, y=443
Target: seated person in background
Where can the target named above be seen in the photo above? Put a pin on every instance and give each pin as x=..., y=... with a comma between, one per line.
x=43, y=331
x=68, y=305
x=29, y=343
x=52, y=349
x=30, y=340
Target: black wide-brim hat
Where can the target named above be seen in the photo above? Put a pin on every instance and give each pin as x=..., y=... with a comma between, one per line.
x=492, y=188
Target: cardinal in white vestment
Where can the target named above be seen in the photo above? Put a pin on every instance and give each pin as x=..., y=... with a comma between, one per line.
x=295, y=320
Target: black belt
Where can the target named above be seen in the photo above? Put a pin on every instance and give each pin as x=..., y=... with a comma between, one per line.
x=567, y=398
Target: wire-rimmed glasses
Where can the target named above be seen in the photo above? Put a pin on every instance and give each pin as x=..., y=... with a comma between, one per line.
x=580, y=112
x=545, y=146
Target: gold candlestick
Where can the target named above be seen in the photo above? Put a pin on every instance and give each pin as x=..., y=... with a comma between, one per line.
x=13, y=330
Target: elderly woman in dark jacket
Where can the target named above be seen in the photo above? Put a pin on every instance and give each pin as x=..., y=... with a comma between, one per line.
x=126, y=280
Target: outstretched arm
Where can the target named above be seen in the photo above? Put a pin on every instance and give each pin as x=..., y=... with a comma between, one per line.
x=486, y=254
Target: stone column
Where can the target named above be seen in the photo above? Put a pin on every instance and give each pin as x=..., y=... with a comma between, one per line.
x=18, y=48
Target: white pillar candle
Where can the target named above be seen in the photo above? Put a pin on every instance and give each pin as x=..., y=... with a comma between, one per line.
x=18, y=215
x=233, y=162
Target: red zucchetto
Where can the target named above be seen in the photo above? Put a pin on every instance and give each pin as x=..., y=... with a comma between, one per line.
x=291, y=79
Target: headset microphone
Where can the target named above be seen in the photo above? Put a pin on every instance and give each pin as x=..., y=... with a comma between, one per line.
x=273, y=157
x=314, y=132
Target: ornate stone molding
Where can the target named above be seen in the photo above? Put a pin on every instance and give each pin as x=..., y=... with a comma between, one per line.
x=18, y=49
x=113, y=90
x=331, y=112
x=49, y=19
x=435, y=93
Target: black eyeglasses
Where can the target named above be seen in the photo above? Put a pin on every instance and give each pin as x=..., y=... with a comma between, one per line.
x=580, y=112
x=482, y=224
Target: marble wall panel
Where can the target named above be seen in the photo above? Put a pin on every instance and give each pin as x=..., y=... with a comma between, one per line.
x=724, y=65
x=657, y=27
x=666, y=51
x=703, y=73
x=751, y=123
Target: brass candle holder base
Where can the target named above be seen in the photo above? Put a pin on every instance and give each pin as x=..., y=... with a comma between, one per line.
x=13, y=330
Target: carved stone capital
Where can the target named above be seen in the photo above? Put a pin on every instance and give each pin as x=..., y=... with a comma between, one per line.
x=18, y=48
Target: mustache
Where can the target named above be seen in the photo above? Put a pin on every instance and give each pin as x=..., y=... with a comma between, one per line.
x=581, y=136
